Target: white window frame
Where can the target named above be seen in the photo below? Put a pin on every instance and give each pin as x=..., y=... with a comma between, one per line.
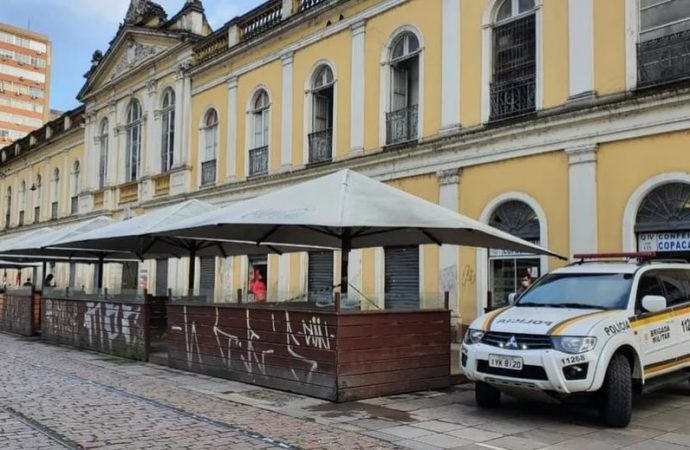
x=103, y=153
x=309, y=106
x=132, y=123
x=249, y=126
x=204, y=133
x=168, y=114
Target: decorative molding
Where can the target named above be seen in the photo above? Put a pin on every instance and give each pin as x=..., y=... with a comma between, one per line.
x=448, y=176
x=582, y=154
x=135, y=54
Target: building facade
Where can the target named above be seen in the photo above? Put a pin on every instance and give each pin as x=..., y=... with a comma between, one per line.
x=24, y=82
x=562, y=122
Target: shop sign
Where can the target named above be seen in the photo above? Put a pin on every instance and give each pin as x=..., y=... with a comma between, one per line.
x=497, y=253
x=677, y=241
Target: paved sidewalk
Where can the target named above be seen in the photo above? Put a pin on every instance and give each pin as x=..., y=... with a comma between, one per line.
x=56, y=397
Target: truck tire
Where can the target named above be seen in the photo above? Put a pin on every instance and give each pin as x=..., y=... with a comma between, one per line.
x=615, y=407
x=486, y=395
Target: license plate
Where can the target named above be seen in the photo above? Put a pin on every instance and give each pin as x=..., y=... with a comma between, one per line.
x=505, y=362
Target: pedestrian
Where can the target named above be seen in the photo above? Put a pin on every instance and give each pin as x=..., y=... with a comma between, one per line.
x=258, y=287
x=49, y=281
x=28, y=283
x=525, y=282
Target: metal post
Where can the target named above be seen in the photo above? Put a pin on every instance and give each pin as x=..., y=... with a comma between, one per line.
x=346, y=246
x=45, y=266
x=192, y=269
x=239, y=296
x=99, y=275
x=446, y=300
x=337, y=302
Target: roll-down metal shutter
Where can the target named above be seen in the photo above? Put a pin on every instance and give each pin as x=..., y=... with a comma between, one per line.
x=320, y=273
x=161, y=276
x=207, y=274
x=401, y=278
x=72, y=274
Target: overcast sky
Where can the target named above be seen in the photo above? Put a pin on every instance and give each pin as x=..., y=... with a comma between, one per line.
x=78, y=27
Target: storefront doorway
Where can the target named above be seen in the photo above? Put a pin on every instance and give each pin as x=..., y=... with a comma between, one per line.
x=663, y=222
x=507, y=268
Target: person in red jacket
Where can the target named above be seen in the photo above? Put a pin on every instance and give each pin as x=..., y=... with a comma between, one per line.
x=258, y=287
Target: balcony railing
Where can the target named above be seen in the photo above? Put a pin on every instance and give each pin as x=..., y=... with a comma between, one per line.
x=513, y=98
x=304, y=5
x=258, y=161
x=161, y=184
x=663, y=59
x=320, y=146
x=54, y=210
x=401, y=125
x=129, y=192
x=212, y=48
x=208, y=172
x=263, y=19
x=21, y=218
x=37, y=214
x=75, y=205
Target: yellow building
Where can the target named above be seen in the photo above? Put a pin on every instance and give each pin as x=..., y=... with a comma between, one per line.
x=562, y=121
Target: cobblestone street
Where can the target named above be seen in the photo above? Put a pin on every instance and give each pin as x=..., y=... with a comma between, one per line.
x=57, y=397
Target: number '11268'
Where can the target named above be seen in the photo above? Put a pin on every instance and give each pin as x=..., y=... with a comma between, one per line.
x=686, y=326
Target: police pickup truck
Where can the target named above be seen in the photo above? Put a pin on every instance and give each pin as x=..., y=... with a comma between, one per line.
x=609, y=328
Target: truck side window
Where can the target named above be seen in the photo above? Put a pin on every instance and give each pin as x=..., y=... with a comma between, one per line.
x=676, y=286
x=648, y=285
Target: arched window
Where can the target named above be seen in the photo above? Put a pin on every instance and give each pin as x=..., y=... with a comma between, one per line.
x=37, y=198
x=260, y=116
x=74, y=188
x=664, y=33
x=54, y=194
x=133, y=151
x=103, y=154
x=662, y=224
x=513, y=85
x=322, y=100
x=507, y=268
x=402, y=118
x=21, y=200
x=167, y=129
x=209, y=152
x=8, y=206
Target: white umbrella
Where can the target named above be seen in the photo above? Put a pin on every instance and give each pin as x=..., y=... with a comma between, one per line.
x=346, y=210
x=136, y=236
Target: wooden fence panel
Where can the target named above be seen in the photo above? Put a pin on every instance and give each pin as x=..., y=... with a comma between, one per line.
x=17, y=313
x=117, y=328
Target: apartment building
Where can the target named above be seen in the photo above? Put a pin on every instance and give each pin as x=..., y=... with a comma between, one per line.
x=24, y=82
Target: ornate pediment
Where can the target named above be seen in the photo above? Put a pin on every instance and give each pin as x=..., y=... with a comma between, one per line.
x=134, y=54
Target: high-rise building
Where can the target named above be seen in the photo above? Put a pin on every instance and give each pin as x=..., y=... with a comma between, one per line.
x=24, y=82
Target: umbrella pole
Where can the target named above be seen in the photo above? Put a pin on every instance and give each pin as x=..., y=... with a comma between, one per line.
x=44, y=274
x=346, y=246
x=192, y=269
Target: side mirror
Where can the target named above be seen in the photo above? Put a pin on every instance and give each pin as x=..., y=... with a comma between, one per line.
x=512, y=298
x=654, y=303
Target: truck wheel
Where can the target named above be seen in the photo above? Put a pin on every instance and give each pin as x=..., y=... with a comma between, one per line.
x=486, y=395
x=615, y=407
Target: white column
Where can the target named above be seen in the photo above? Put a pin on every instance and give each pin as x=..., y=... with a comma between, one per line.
x=581, y=48
x=286, y=119
x=448, y=181
x=179, y=124
x=186, y=120
x=450, y=66
x=113, y=154
x=357, y=89
x=582, y=176
x=232, y=129
x=149, y=147
x=354, y=270
x=284, y=276
x=90, y=155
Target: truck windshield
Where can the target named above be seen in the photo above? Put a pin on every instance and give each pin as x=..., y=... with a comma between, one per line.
x=588, y=290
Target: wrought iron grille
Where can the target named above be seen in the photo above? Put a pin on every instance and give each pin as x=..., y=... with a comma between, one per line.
x=401, y=125
x=258, y=161
x=21, y=218
x=320, y=145
x=75, y=205
x=664, y=209
x=37, y=214
x=663, y=59
x=54, y=210
x=208, y=172
x=304, y=5
x=513, y=87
